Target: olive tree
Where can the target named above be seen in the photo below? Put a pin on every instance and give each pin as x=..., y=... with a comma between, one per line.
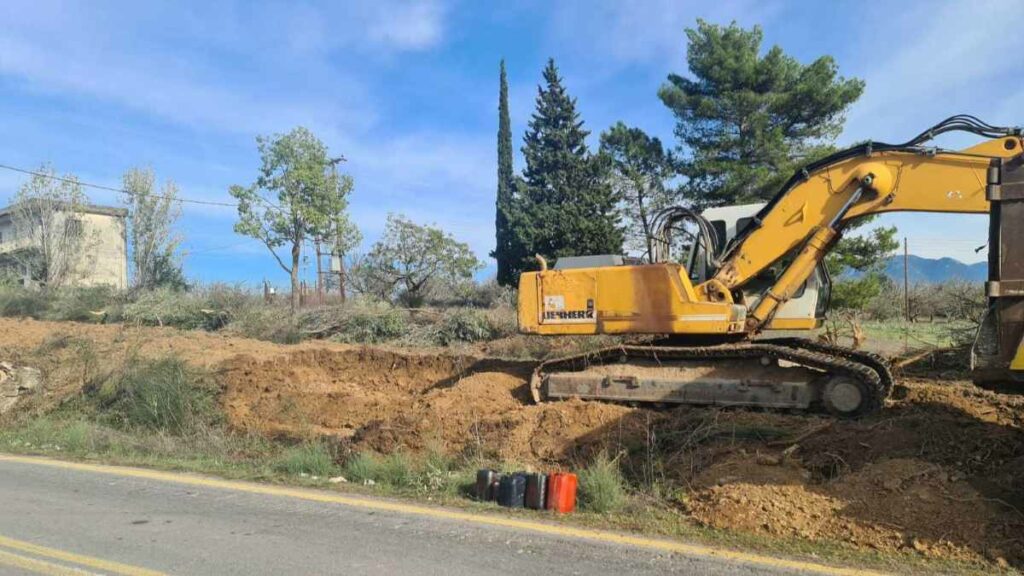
x=298, y=196
x=410, y=258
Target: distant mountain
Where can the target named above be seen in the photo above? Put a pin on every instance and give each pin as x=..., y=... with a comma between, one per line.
x=934, y=271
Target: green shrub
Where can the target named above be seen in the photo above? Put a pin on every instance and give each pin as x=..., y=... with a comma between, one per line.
x=227, y=298
x=86, y=304
x=602, y=487
x=311, y=458
x=463, y=325
x=22, y=303
x=165, y=307
x=370, y=324
x=396, y=470
x=362, y=466
x=856, y=293
x=163, y=394
x=270, y=322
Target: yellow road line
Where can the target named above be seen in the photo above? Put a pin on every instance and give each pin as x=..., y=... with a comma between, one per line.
x=37, y=566
x=412, y=509
x=89, y=561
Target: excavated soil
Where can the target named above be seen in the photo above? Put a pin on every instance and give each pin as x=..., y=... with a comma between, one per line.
x=940, y=471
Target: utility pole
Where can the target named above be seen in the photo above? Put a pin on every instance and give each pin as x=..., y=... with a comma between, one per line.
x=906, y=278
x=337, y=237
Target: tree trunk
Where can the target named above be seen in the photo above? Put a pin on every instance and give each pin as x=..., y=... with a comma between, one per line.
x=296, y=253
x=341, y=278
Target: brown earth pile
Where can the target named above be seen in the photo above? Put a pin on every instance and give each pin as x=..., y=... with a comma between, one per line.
x=939, y=471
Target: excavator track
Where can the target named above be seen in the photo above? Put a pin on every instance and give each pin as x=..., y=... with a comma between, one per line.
x=781, y=374
x=869, y=359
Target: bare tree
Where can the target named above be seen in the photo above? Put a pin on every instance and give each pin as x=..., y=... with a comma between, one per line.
x=154, y=242
x=49, y=228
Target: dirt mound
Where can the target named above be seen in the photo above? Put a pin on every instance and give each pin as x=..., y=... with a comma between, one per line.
x=891, y=505
x=940, y=471
x=386, y=401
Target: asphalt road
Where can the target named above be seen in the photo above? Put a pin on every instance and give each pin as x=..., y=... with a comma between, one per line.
x=54, y=518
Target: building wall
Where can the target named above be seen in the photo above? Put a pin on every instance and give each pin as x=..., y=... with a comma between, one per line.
x=104, y=257
x=104, y=251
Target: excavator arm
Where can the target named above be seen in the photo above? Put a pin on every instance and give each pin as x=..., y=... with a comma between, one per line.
x=814, y=207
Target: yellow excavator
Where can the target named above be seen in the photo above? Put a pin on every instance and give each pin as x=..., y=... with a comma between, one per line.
x=748, y=271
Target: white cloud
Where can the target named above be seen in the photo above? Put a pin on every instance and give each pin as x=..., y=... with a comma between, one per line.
x=234, y=67
x=407, y=25
x=934, y=61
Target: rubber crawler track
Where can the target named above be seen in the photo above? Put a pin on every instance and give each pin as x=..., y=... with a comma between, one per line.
x=866, y=368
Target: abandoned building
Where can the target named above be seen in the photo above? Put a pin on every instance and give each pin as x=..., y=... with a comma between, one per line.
x=101, y=251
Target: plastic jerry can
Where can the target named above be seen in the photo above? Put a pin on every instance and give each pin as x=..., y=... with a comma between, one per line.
x=482, y=488
x=561, y=492
x=536, y=490
x=512, y=490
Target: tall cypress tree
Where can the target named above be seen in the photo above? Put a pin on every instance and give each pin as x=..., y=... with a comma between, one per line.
x=504, y=250
x=565, y=204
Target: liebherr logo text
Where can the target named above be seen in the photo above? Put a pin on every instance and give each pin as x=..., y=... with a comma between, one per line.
x=569, y=315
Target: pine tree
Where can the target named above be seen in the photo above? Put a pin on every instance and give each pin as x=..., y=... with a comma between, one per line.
x=745, y=120
x=504, y=251
x=565, y=205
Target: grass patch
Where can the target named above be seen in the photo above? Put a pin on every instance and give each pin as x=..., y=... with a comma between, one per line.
x=312, y=458
x=602, y=487
x=159, y=395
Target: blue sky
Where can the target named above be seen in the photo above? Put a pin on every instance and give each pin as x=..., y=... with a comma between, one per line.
x=407, y=90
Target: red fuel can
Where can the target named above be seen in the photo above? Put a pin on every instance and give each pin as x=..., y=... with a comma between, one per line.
x=561, y=492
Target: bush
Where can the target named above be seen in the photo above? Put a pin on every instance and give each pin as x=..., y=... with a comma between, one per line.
x=311, y=458
x=86, y=304
x=162, y=395
x=396, y=470
x=370, y=323
x=487, y=294
x=602, y=487
x=463, y=325
x=165, y=307
x=856, y=293
x=362, y=467
x=269, y=322
x=21, y=303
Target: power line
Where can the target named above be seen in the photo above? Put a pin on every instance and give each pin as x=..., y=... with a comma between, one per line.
x=112, y=189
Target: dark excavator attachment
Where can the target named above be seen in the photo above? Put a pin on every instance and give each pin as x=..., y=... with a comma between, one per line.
x=1002, y=328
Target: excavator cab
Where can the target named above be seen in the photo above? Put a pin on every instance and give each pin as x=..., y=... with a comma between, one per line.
x=807, y=308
